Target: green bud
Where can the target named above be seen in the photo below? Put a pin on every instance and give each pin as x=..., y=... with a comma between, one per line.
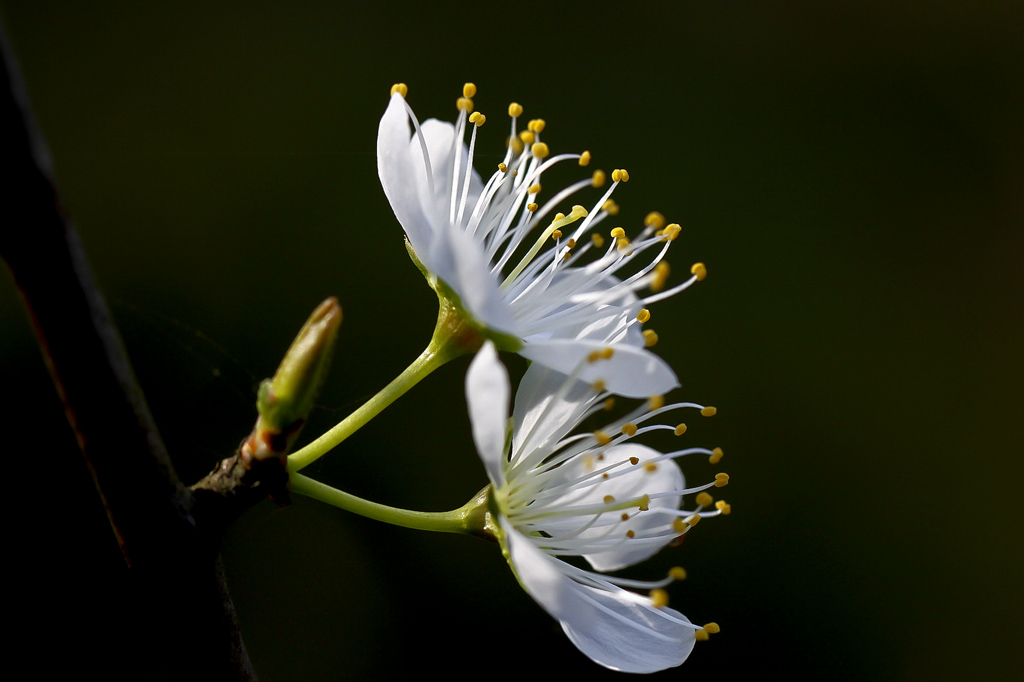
x=285, y=401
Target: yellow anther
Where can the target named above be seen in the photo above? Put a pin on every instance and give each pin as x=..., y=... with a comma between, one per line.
x=469, y=90
x=607, y=352
x=677, y=573
x=597, y=239
x=534, y=188
x=593, y=356
x=704, y=499
x=650, y=466
x=477, y=118
x=571, y=244
x=598, y=178
x=660, y=276
x=602, y=438
x=700, y=635
x=655, y=402
x=401, y=88
x=708, y=411
x=464, y=104
x=625, y=516
x=598, y=385
x=659, y=598
x=556, y=235
x=527, y=137
x=515, y=109
x=716, y=455
x=630, y=533
x=670, y=232
x=618, y=233
x=692, y=520
x=723, y=507
x=654, y=220
x=611, y=207
x=629, y=429
x=609, y=404
x=608, y=499
x=650, y=337
x=539, y=149
x=712, y=628
x=645, y=503
x=643, y=316
x=620, y=175
x=537, y=125
x=680, y=430
x=503, y=168
x=517, y=147
x=721, y=480
x=585, y=158
x=678, y=525
x=699, y=270
x=532, y=207
x=634, y=460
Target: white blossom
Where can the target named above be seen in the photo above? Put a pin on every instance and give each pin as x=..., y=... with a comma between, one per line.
x=594, y=495
x=516, y=267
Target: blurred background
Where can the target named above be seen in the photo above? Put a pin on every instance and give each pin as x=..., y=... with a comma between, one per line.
x=851, y=173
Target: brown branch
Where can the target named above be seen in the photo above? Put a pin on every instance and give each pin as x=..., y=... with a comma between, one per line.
x=183, y=607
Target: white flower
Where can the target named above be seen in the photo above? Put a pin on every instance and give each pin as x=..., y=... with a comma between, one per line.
x=483, y=246
x=592, y=495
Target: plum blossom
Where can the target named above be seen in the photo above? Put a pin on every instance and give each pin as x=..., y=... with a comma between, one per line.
x=592, y=495
x=517, y=269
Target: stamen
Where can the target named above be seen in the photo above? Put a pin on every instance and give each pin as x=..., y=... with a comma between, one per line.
x=655, y=402
x=643, y=316
x=708, y=411
x=654, y=220
x=469, y=90
x=721, y=480
x=401, y=88
x=598, y=178
x=585, y=158
x=680, y=430
x=539, y=150
x=537, y=125
x=464, y=104
x=724, y=507
x=699, y=271
x=716, y=455
x=650, y=337
x=677, y=573
x=704, y=499
x=515, y=110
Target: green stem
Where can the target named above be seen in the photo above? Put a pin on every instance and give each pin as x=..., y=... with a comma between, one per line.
x=453, y=336
x=469, y=519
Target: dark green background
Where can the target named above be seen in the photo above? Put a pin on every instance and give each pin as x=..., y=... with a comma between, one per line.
x=850, y=172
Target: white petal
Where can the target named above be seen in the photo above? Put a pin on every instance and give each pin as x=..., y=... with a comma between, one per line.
x=631, y=372
x=615, y=628
x=487, y=395
x=462, y=263
x=627, y=482
x=401, y=170
x=543, y=413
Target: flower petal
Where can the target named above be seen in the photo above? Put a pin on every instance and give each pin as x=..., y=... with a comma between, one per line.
x=401, y=170
x=543, y=411
x=626, y=481
x=631, y=372
x=613, y=627
x=487, y=395
x=461, y=263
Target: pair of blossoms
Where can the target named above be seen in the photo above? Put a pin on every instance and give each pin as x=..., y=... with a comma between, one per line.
x=511, y=275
